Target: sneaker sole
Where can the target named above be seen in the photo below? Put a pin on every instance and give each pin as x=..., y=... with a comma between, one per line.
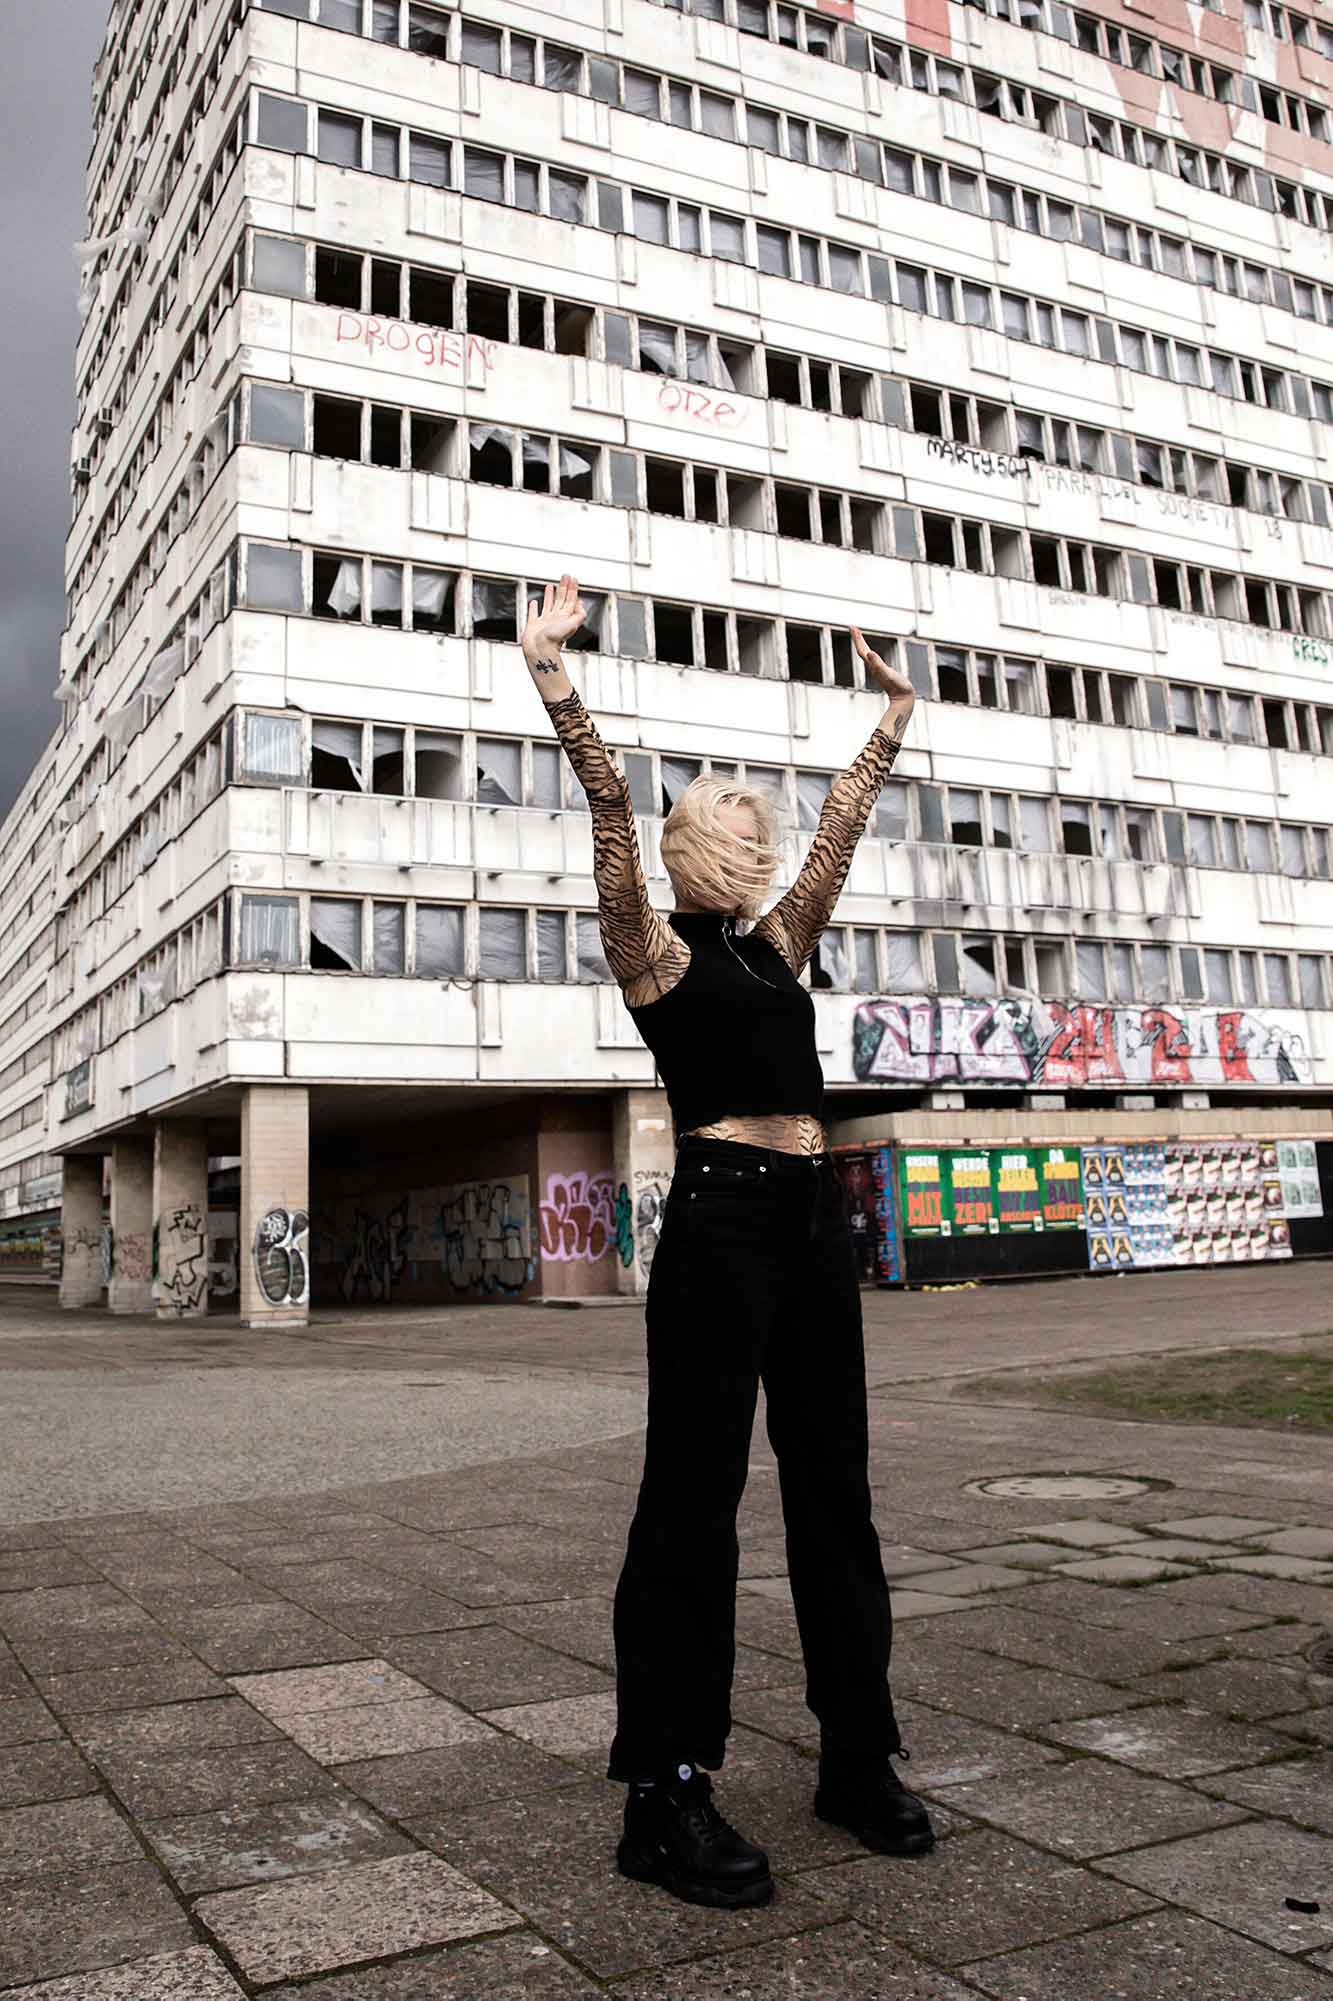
x=916, y=1844
x=651, y=1869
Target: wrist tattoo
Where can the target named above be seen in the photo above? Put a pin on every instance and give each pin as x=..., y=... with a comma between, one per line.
x=547, y=666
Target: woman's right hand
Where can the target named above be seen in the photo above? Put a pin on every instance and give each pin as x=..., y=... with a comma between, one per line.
x=559, y=618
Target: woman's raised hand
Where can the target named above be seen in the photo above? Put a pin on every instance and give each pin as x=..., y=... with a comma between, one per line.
x=559, y=618
x=880, y=675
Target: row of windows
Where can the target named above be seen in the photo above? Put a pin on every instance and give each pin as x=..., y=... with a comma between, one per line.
x=279, y=579
x=690, y=107
x=1286, y=25
x=465, y=941
x=1097, y=37
x=386, y=434
x=364, y=757
x=819, y=36
x=291, y=124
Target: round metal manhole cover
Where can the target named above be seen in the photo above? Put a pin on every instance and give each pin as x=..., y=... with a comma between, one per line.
x=1065, y=1486
x=1320, y=1653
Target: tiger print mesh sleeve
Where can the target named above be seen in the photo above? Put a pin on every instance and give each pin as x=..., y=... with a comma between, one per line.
x=798, y=919
x=634, y=936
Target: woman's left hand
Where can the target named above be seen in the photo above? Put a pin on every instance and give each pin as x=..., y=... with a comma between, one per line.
x=880, y=675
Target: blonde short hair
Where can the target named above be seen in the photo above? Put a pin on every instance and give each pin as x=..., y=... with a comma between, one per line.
x=711, y=867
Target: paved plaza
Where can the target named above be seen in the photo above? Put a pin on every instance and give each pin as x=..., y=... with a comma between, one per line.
x=305, y=1667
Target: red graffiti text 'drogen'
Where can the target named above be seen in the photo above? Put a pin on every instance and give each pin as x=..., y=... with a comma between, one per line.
x=438, y=347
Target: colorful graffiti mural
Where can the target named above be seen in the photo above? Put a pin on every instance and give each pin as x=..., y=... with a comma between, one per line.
x=1067, y=1045
x=583, y=1217
x=483, y=1235
x=650, y=1194
x=473, y=1235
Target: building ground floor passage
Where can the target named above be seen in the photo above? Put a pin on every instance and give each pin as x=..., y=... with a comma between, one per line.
x=271, y=1199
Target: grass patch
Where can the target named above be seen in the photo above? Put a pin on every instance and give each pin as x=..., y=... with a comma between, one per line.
x=1290, y=1387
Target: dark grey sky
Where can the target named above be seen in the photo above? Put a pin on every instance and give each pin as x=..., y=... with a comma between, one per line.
x=45, y=91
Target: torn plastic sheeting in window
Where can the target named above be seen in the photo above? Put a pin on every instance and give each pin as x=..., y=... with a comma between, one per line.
x=336, y=925
x=537, y=452
x=569, y=197
x=906, y=972
x=492, y=600
x=481, y=435
x=439, y=941
x=657, y=346
x=573, y=464
x=340, y=740
x=430, y=591
x=484, y=175
x=126, y=722
x=561, y=68
x=164, y=669
x=386, y=588
x=345, y=595
x=503, y=955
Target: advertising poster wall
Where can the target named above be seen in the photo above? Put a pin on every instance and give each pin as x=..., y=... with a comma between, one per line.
x=1298, y=1166
x=989, y=1191
x=1184, y=1203
x=888, y=1250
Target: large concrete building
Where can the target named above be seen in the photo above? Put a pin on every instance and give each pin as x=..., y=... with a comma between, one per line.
x=1003, y=330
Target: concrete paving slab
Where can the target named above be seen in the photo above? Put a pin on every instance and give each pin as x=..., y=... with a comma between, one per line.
x=420, y=1786
x=383, y=1729
x=924, y=1604
x=102, y=1689
x=1121, y=1569
x=196, y=1975
x=969, y=1580
x=63, y=1835
x=1301, y=1790
x=1088, y=1808
x=541, y=1854
x=1242, y=1877
x=311, y=1924
x=258, y=1844
x=207, y=1725
x=252, y=1639
x=1217, y=1528
x=517, y=1967
x=1313, y=1726
x=156, y=1785
x=1138, y=1608
x=1303, y=1568
x=1083, y=1534
x=1316, y=1543
x=307, y=1691
x=1171, y=1742
x=1179, y=1549
x=843, y=1959
x=43, y=1771
x=1022, y=1555
x=979, y=1894
x=490, y=1667
x=573, y=1726
x=1248, y=1689
x=1162, y=1956
x=70, y=1922
x=25, y=1720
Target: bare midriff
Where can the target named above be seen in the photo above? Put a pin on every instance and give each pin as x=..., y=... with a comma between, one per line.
x=786, y=1132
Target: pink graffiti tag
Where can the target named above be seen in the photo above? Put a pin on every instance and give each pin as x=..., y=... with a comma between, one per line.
x=699, y=406
x=578, y=1218
x=438, y=347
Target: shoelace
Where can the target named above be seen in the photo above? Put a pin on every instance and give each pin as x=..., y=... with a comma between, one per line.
x=696, y=1797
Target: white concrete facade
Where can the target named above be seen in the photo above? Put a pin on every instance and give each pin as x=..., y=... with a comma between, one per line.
x=763, y=320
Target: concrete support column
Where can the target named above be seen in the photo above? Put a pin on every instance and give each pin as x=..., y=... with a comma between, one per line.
x=180, y=1220
x=274, y=1247
x=81, y=1274
x=643, y=1163
x=131, y=1286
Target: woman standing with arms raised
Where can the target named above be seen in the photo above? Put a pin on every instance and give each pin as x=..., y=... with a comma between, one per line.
x=754, y=1279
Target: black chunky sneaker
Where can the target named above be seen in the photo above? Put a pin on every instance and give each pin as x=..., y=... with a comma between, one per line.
x=878, y=1809
x=675, y=1836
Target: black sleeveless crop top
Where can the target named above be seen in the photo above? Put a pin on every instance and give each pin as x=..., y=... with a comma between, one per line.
x=736, y=1034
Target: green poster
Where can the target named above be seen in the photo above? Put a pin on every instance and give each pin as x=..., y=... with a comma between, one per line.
x=984, y=1191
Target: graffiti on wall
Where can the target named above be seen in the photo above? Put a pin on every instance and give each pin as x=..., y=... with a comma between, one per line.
x=132, y=1257
x=180, y=1244
x=483, y=1235
x=585, y=1216
x=282, y=1257
x=918, y=1040
x=376, y=1251
x=650, y=1194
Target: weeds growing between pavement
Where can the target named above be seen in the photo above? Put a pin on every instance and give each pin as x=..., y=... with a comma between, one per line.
x=1272, y=1387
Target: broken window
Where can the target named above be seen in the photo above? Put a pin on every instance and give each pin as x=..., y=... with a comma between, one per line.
x=335, y=935
x=386, y=594
x=337, y=428
x=811, y=792
x=657, y=349
x=805, y=661
x=338, y=278
x=577, y=472
x=591, y=960
x=428, y=31
x=890, y=821
x=336, y=757
x=793, y=511
x=568, y=196
x=978, y=967
x=387, y=767
x=965, y=818
x=430, y=298
x=439, y=766
x=439, y=941
x=673, y=626
x=755, y=638
x=493, y=609
x=338, y=586
x=491, y=460
x=665, y=486
x=431, y=440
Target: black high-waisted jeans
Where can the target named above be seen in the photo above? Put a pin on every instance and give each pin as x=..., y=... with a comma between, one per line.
x=754, y=1279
